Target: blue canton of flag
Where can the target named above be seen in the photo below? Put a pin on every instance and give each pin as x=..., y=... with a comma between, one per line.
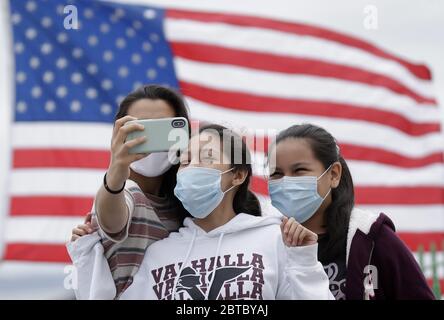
x=82, y=74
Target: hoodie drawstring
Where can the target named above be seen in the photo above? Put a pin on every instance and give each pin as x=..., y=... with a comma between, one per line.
x=185, y=261
x=213, y=274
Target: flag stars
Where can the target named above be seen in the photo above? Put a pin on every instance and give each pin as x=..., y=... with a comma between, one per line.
x=48, y=77
x=36, y=92
x=88, y=13
x=16, y=18
x=105, y=109
x=46, y=48
x=119, y=13
x=151, y=73
x=91, y=93
x=93, y=40
x=162, y=62
x=31, y=6
x=59, y=9
x=137, y=85
x=75, y=106
x=130, y=32
x=119, y=99
x=50, y=106
x=104, y=28
x=21, y=107
x=107, y=84
x=31, y=33
x=62, y=37
x=136, y=58
x=61, y=63
x=137, y=25
x=19, y=47
x=149, y=14
x=76, y=77
x=20, y=77
x=61, y=91
x=34, y=62
x=92, y=68
x=146, y=46
x=77, y=53
x=120, y=43
x=108, y=56
x=46, y=22
x=154, y=37
x=123, y=72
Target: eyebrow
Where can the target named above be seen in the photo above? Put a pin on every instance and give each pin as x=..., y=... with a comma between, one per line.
x=299, y=164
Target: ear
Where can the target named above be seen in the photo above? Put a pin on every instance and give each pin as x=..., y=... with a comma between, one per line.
x=239, y=177
x=335, y=173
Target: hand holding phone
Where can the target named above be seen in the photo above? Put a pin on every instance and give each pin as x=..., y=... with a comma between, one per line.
x=161, y=135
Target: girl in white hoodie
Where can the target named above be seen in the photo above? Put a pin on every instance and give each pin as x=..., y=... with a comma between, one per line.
x=226, y=251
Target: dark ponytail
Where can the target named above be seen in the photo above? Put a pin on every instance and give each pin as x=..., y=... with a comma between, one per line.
x=337, y=215
x=244, y=200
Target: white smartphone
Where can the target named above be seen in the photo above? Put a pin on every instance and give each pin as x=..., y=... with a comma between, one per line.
x=162, y=135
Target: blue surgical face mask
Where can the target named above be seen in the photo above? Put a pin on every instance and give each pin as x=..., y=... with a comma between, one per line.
x=199, y=190
x=296, y=197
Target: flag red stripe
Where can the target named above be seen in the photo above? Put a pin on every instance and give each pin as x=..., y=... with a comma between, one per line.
x=441, y=284
x=424, y=239
x=36, y=252
x=50, y=205
x=380, y=194
x=363, y=153
x=291, y=65
x=420, y=71
x=354, y=152
x=257, y=103
x=56, y=158
x=40, y=252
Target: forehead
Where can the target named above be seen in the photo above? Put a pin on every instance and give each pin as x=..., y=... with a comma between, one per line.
x=207, y=140
x=151, y=109
x=293, y=149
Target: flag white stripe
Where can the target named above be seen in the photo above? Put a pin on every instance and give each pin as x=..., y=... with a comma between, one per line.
x=414, y=218
x=344, y=130
x=40, y=229
x=56, y=182
x=98, y=136
x=61, y=135
x=281, y=43
x=366, y=173
x=85, y=182
x=306, y=87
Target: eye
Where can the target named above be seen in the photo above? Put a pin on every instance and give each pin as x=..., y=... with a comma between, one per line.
x=300, y=170
x=276, y=175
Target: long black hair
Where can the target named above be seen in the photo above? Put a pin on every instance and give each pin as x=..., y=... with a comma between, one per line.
x=240, y=159
x=175, y=101
x=337, y=214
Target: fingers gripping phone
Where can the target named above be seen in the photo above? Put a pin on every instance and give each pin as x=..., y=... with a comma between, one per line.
x=161, y=135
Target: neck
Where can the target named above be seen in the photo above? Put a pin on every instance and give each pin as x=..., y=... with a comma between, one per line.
x=316, y=223
x=218, y=217
x=150, y=185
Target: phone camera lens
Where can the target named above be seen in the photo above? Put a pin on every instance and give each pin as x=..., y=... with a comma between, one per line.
x=178, y=124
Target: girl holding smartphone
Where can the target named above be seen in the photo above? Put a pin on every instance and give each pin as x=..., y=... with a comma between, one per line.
x=135, y=205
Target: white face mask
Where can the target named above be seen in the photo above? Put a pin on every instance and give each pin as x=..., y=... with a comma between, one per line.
x=154, y=165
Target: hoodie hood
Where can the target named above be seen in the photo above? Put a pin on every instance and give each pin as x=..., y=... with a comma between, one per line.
x=240, y=222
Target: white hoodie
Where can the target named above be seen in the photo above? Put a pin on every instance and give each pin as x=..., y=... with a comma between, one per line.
x=252, y=263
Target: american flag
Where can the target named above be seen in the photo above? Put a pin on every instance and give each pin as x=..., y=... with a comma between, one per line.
x=249, y=71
